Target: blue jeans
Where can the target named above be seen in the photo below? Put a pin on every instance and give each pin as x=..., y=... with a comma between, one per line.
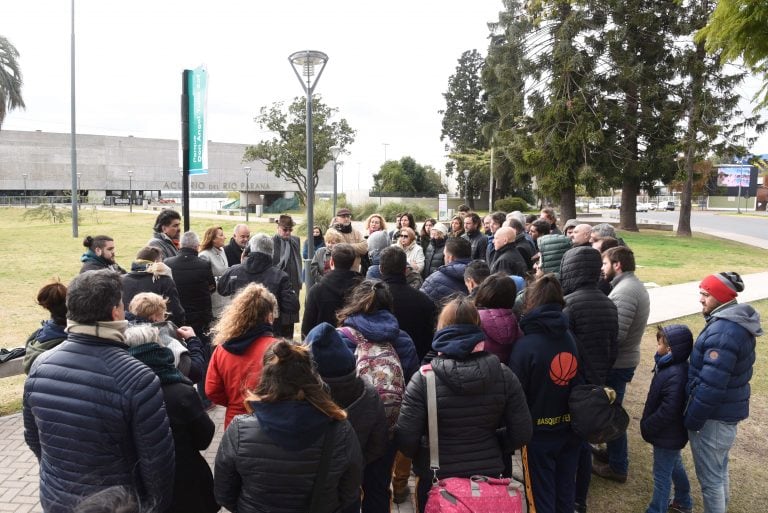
x=618, y=456
x=668, y=470
x=710, y=447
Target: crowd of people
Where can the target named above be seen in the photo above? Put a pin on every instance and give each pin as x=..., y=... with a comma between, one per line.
x=509, y=312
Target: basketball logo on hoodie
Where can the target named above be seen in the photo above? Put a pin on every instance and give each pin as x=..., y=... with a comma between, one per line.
x=563, y=368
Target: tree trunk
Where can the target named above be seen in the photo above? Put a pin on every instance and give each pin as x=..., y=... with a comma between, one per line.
x=567, y=204
x=630, y=182
x=697, y=84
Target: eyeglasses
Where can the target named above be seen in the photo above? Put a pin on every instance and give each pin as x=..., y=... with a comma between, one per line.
x=405, y=236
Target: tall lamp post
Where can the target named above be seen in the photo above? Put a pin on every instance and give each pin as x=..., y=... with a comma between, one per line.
x=466, y=186
x=130, y=191
x=303, y=64
x=335, y=152
x=247, y=171
x=24, y=176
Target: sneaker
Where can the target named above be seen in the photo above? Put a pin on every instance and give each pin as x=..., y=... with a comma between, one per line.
x=605, y=471
x=676, y=508
x=400, y=496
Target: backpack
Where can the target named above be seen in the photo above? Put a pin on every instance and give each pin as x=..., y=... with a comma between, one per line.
x=595, y=416
x=379, y=365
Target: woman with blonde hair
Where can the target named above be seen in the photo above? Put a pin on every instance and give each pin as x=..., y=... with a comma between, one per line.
x=294, y=451
x=212, y=250
x=375, y=223
x=413, y=252
x=321, y=263
x=476, y=395
x=241, y=337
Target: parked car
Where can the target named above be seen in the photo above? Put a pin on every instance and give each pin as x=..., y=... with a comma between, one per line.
x=669, y=205
x=651, y=206
x=641, y=207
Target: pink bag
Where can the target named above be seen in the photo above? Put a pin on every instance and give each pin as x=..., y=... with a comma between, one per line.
x=478, y=494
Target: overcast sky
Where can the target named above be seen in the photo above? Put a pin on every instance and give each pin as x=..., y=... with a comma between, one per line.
x=389, y=65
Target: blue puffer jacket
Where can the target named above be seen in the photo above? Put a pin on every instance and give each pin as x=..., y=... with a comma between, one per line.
x=446, y=281
x=381, y=326
x=721, y=366
x=662, y=422
x=94, y=416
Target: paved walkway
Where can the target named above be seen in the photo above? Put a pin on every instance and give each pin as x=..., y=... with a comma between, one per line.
x=18, y=466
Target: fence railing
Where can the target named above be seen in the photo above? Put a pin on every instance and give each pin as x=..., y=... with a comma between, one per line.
x=33, y=201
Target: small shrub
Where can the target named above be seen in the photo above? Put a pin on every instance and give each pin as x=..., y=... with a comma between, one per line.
x=510, y=204
x=390, y=210
x=49, y=212
x=362, y=212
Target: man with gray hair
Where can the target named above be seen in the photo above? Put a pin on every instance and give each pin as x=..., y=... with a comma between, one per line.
x=234, y=250
x=258, y=268
x=194, y=281
x=93, y=414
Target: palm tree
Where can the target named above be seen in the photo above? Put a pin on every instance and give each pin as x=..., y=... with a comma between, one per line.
x=10, y=79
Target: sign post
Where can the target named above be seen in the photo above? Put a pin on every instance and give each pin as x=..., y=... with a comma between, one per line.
x=194, y=143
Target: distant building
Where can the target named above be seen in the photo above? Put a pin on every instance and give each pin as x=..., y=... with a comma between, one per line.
x=103, y=163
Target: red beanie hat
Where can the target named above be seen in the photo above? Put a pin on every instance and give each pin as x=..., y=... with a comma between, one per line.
x=723, y=286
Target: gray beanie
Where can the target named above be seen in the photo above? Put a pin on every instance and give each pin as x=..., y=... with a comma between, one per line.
x=376, y=242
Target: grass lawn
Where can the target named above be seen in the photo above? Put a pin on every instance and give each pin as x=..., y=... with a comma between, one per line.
x=747, y=458
x=666, y=259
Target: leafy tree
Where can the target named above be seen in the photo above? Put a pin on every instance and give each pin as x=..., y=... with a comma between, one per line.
x=641, y=115
x=546, y=125
x=286, y=153
x=408, y=178
x=738, y=29
x=710, y=107
x=465, y=111
x=10, y=79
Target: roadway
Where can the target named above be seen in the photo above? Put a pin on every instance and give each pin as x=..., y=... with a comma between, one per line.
x=749, y=228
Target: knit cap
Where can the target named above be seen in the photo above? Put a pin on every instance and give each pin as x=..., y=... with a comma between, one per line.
x=331, y=355
x=376, y=242
x=440, y=227
x=723, y=286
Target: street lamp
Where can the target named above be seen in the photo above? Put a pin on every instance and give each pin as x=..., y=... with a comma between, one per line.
x=306, y=61
x=335, y=152
x=466, y=186
x=130, y=191
x=25, y=175
x=247, y=170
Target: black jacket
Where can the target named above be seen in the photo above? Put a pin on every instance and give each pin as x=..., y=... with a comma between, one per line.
x=365, y=412
x=101, y=426
x=327, y=296
x=267, y=461
x=192, y=432
x=479, y=243
x=415, y=312
x=662, y=423
x=194, y=281
x=258, y=268
x=139, y=280
x=594, y=320
x=545, y=361
x=234, y=252
x=525, y=248
x=508, y=260
x=434, y=256
x=475, y=396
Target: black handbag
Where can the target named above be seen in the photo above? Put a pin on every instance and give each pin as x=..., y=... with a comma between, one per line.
x=595, y=414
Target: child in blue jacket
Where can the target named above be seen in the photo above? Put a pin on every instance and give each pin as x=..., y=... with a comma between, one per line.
x=662, y=422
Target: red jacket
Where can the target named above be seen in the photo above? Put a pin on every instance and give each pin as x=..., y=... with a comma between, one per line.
x=230, y=375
